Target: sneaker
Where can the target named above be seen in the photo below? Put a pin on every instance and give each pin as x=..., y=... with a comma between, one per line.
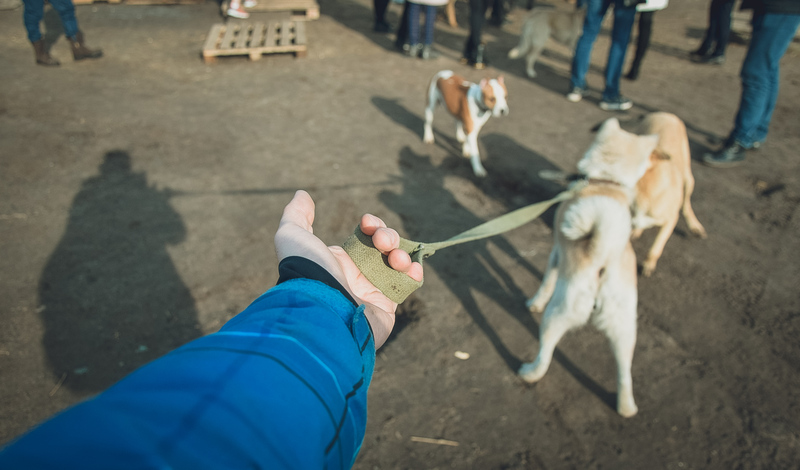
x=727, y=157
x=575, y=95
x=240, y=13
x=620, y=103
x=428, y=53
x=250, y=3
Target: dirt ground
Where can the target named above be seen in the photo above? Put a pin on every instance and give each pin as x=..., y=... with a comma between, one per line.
x=139, y=194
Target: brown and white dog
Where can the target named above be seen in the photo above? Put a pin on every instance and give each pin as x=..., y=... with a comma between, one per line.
x=591, y=274
x=471, y=104
x=665, y=190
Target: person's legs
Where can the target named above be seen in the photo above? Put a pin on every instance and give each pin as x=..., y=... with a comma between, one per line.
x=760, y=76
x=595, y=10
x=34, y=12
x=723, y=30
x=642, y=43
x=413, y=25
x=430, y=20
x=620, y=36
x=66, y=10
x=379, y=7
x=477, y=12
x=402, y=29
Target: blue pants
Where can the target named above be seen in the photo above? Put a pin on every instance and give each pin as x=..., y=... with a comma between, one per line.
x=413, y=23
x=760, y=76
x=34, y=12
x=620, y=35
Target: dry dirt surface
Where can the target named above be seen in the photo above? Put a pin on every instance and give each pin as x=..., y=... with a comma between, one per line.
x=139, y=194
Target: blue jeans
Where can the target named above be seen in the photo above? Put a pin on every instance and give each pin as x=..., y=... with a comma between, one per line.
x=760, y=76
x=413, y=23
x=34, y=12
x=620, y=35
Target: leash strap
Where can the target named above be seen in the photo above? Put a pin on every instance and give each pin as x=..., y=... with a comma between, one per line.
x=396, y=285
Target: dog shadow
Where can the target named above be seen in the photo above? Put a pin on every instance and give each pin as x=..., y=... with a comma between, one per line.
x=470, y=270
x=110, y=296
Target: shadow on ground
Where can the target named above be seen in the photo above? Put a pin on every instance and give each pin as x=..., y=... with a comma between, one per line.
x=110, y=297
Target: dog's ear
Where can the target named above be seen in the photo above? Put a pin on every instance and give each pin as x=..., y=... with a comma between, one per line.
x=483, y=83
x=659, y=155
x=610, y=125
x=501, y=80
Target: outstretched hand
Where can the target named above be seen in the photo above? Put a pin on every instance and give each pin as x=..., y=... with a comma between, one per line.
x=295, y=237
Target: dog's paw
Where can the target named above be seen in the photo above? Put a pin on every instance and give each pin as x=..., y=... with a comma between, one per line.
x=534, y=306
x=648, y=267
x=531, y=73
x=428, y=138
x=529, y=373
x=698, y=230
x=627, y=410
x=480, y=172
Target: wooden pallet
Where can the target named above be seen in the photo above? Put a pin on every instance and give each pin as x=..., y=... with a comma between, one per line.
x=301, y=10
x=255, y=39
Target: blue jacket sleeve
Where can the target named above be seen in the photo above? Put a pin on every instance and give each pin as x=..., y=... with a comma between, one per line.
x=281, y=385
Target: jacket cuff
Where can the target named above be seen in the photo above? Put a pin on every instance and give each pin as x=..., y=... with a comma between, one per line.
x=296, y=267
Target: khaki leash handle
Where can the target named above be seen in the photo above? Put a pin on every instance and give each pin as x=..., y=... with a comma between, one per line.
x=396, y=285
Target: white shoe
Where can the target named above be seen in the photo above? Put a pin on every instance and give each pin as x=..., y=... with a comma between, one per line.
x=238, y=13
x=250, y=3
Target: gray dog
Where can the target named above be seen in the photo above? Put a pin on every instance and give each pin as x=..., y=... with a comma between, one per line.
x=545, y=22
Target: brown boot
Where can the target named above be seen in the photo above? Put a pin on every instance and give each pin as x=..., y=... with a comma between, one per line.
x=80, y=51
x=42, y=56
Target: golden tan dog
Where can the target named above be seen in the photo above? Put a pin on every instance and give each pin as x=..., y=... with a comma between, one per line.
x=665, y=190
x=591, y=274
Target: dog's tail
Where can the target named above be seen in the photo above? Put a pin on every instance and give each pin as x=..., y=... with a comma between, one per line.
x=604, y=222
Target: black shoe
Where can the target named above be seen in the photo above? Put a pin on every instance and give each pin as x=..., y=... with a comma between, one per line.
x=382, y=27
x=710, y=59
x=480, y=62
x=633, y=74
x=727, y=157
x=699, y=53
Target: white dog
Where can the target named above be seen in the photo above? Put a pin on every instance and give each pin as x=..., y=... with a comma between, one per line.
x=545, y=22
x=591, y=274
x=471, y=104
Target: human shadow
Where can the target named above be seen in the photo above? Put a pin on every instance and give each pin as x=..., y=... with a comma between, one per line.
x=110, y=296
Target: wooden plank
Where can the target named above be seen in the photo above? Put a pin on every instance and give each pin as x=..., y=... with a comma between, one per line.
x=256, y=40
x=271, y=34
x=286, y=29
x=213, y=37
x=227, y=39
x=300, y=33
x=244, y=35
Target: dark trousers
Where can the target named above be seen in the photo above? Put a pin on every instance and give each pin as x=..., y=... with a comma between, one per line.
x=477, y=15
x=645, y=29
x=719, y=28
x=380, y=7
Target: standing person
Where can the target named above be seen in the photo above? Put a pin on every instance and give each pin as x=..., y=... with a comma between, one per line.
x=646, y=12
x=775, y=23
x=717, y=33
x=624, y=15
x=34, y=12
x=474, y=48
x=415, y=7
x=282, y=385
